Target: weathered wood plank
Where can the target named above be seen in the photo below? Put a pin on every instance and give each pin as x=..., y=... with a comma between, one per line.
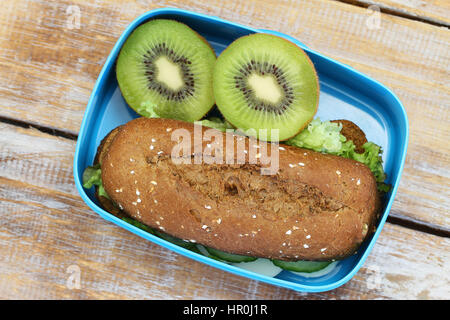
x=45, y=228
x=40, y=159
x=434, y=11
x=43, y=233
x=47, y=70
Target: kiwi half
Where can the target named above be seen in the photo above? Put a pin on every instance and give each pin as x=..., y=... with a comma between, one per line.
x=166, y=68
x=263, y=81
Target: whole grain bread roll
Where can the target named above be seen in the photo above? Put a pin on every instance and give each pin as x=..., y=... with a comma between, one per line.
x=313, y=207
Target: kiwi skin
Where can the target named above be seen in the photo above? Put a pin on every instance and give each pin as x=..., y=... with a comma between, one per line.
x=317, y=84
x=134, y=101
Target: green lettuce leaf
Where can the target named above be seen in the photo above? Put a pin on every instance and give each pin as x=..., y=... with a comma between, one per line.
x=326, y=137
x=92, y=176
x=147, y=109
x=216, y=123
x=322, y=137
x=371, y=157
x=138, y=224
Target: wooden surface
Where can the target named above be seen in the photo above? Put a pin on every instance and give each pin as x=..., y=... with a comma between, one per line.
x=47, y=72
x=431, y=11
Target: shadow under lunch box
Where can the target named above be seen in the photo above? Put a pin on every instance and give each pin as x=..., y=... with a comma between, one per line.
x=344, y=94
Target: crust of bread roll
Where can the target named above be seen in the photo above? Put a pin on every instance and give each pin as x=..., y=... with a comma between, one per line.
x=315, y=207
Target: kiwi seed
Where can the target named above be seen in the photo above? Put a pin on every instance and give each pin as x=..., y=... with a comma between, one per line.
x=264, y=69
x=151, y=72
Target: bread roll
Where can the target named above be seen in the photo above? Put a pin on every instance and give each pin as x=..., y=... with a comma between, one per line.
x=313, y=207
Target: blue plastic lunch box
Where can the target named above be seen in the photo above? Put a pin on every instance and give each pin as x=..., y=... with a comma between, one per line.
x=344, y=94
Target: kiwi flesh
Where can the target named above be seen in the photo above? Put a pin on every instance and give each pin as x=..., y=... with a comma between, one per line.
x=262, y=81
x=165, y=69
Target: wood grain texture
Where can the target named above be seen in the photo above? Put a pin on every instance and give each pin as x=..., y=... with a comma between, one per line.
x=45, y=228
x=433, y=11
x=47, y=70
x=44, y=233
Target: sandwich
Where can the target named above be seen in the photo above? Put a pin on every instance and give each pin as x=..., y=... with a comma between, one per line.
x=317, y=206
